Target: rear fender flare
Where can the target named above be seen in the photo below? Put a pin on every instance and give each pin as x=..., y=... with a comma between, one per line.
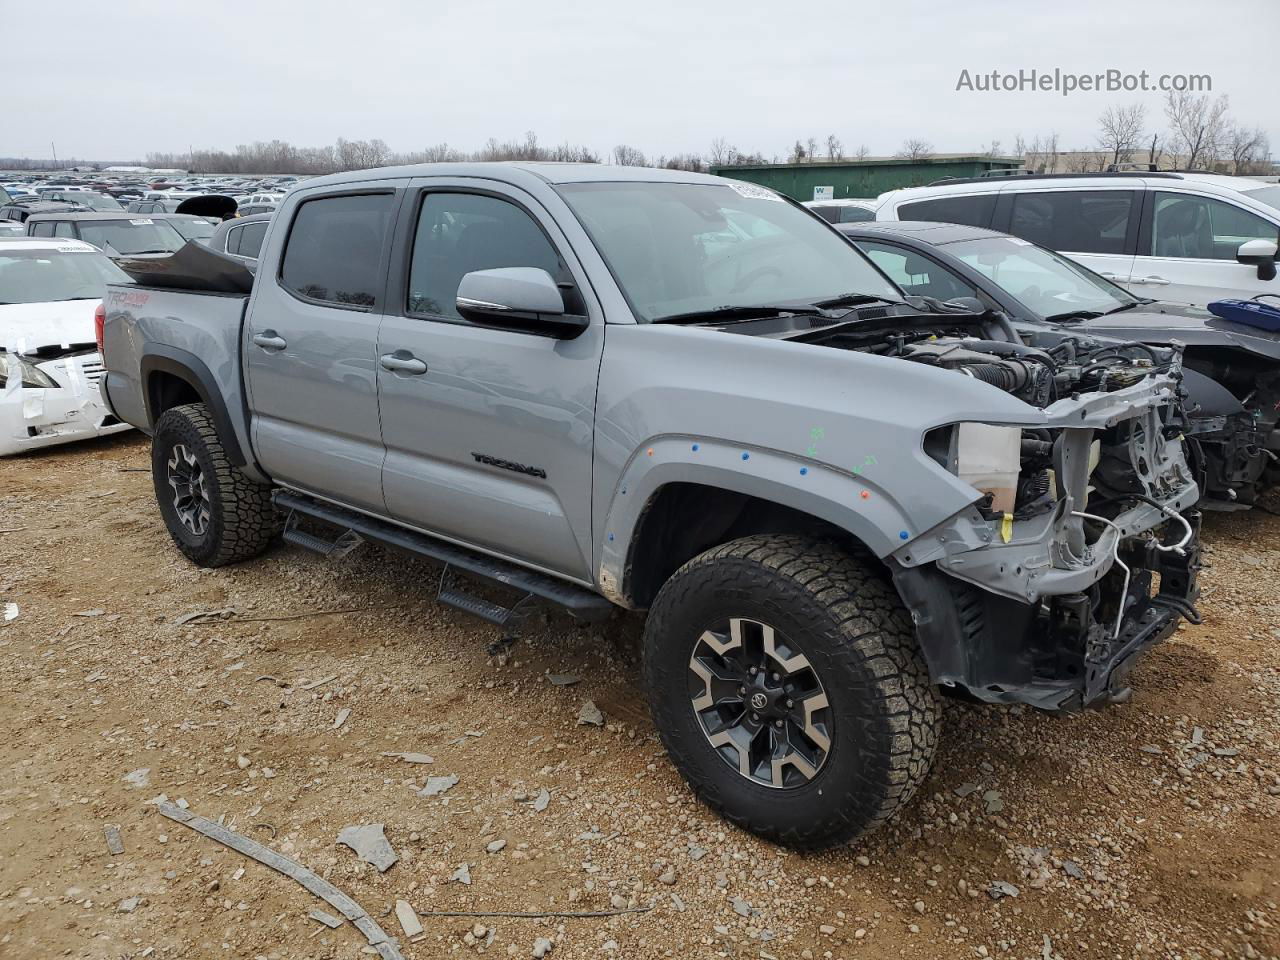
x=186, y=366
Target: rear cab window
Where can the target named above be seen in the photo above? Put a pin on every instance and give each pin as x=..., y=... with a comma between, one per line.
x=333, y=253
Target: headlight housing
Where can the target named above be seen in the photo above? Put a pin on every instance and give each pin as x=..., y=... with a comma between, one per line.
x=14, y=365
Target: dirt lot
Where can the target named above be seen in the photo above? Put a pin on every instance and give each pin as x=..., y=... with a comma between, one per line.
x=1145, y=830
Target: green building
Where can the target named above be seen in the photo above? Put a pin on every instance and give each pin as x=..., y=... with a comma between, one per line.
x=840, y=179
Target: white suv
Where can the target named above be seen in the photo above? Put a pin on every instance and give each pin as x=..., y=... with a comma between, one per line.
x=1181, y=237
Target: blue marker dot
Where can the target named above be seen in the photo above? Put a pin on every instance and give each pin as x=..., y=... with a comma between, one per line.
x=746, y=456
x=611, y=537
x=804, y=471
x=695, y=448
x=903, y=535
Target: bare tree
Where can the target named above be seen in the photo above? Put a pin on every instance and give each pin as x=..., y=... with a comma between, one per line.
x=721, y=151
x=1248, y=150
x=1198, y=126
x=1121, y=131
x=915, y=149
x=625, y=156
x=862, y=152
x=992, y=149
x=835, y=149
x=811, y=145
x=1153, y=153
x=798, y=154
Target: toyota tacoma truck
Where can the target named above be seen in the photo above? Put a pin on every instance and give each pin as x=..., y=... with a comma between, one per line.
x=610, y=387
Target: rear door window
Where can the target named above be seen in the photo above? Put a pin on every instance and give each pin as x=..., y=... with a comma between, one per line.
x=972, y=211
x=1075, y=221
x=43, y=229
x=251, y=239
x=334, y=250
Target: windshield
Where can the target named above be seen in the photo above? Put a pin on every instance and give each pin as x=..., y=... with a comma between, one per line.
x=682, y=248
x=193, y=229
x=1268, y=195
x=1051, y=285
x=132, y=236
x=43, y=276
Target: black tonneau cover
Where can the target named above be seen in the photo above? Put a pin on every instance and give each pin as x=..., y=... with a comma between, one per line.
x=194, y=267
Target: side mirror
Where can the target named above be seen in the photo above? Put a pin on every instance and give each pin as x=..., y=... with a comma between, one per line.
x=1262, y=253
x=517, y=298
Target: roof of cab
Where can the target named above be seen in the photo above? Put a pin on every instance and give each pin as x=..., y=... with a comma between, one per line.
x=516, y=171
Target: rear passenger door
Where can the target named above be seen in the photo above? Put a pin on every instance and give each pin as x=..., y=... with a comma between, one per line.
x=310, y=345
x=489, y=435
x=1098, y=228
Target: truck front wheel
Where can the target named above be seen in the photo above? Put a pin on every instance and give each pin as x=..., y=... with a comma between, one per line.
x=787, y=685
x=215, y=514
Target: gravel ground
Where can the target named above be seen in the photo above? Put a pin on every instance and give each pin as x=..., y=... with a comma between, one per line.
x=1143, y=830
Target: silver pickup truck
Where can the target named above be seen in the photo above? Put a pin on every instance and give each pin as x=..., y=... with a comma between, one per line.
x=611, y=387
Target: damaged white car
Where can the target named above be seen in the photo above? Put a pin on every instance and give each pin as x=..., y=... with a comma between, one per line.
x=50, y=363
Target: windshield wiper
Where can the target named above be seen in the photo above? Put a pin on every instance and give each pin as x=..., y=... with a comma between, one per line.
x=734, y=312
x=853, y=300
x=1074, y=315
x=1123, y=307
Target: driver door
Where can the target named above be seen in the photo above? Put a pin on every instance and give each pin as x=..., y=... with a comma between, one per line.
x=488, y=432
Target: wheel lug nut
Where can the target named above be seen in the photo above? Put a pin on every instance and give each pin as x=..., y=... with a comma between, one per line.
x=777, y=723
x=791, y=703
x=753, y=671
x=774, y=677
x=742, y=691
x=755, y=716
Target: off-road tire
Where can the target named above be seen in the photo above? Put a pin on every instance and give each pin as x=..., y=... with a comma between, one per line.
x=886, y=715
x=242, y=520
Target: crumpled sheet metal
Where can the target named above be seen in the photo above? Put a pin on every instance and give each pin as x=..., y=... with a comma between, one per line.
x=377, y=937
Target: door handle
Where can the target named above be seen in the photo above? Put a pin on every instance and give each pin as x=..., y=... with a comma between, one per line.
x=1155, y=281
x=402, y=361
x=1109, y=276
x=269, y=340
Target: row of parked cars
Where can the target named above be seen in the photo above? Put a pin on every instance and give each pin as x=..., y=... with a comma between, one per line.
x=844, y=467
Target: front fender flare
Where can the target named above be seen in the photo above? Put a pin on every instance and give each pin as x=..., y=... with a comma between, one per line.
x=858, y=501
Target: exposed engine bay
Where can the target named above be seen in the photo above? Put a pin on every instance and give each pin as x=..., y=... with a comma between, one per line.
x=1081, y=548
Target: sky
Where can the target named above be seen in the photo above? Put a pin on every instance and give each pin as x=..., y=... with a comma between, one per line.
x=119, y=79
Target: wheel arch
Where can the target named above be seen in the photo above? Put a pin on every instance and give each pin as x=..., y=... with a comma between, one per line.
x=682, y=519
x=171, y=377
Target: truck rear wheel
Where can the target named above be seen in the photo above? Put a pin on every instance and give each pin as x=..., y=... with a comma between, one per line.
x=215, y=514
x=787, y=685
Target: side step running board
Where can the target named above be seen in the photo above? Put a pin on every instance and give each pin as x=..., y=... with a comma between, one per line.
x=580, y=602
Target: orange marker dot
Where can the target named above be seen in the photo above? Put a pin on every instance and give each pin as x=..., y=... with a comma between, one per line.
x=651, y=451
x=866, y=494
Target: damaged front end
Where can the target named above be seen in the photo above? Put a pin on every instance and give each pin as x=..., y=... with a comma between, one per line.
x=50, y=395
x=1050, y=603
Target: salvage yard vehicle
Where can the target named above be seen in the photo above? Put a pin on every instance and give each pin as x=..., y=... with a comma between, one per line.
x=116, y=234
x=1188, y=238
x=49, y=363
x=1233, y=369
x=241, y=237
x=561, y=380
